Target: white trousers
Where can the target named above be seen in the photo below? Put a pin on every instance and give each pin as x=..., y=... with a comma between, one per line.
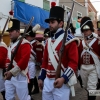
x=2, y=86
x=89, y=76
x=31, y=69
x=51, y=93
x=17, y=85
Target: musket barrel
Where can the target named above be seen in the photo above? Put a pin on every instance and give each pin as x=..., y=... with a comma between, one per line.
x=58, y=72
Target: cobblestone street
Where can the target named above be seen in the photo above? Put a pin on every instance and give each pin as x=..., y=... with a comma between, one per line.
x=81, y=94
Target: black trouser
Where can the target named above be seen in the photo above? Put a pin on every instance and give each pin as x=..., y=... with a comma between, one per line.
x=30, y=86
x=3, y=94
x=98, y=84
x=91, y=97
x=36, y=88
x=80, y=81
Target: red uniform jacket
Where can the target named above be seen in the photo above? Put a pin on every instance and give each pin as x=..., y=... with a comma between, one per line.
x=22, y=56
x=86, y=58
x=39, y=53
x=3, y=54
x=69, y=59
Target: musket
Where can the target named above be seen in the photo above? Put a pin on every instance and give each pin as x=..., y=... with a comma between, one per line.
x=58, y=71
x=17, y=47
x=5, y=26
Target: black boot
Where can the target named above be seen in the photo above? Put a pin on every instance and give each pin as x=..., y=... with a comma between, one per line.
x=98, y=84
x=80, y=81
x=36, y=88
x=91, y=97
x=3, y=94
x=32, y=98
x=30, y=86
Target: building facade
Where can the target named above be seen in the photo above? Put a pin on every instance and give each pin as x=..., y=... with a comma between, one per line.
x=82, y=8
x=92, y=12
x=79, y=11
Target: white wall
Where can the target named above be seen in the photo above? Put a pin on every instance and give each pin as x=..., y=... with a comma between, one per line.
x=38, y=3
x=5, y=7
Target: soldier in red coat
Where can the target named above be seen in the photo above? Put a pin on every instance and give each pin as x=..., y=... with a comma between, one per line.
x=98, y=32
x=98, y=28
x=16, y=78
x=89, y=52
x=56, y=89
x=39, y=48
x=47, y=34
x=30, y=36
x=3, y=57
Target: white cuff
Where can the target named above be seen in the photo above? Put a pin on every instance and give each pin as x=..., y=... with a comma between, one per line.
x=15, y=71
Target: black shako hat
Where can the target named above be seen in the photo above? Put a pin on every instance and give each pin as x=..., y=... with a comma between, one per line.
x=13, y=24
x=56, y=13
x=86, y=24
x=47, y=32
x=30, y=32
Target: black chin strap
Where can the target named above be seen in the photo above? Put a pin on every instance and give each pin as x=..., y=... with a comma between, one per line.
x=89, y=37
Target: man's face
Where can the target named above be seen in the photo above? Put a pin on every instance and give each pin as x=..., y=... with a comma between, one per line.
x=98, y=32
x=14, y=34
x=54, y=25
x=87, y=33
x=28, y=38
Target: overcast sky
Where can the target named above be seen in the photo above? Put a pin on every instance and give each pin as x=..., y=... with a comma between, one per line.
x=96, y=4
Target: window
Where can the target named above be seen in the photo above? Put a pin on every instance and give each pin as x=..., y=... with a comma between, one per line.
x=68, y=9
x=79, y=15
x=22, y=0
x=46, y=5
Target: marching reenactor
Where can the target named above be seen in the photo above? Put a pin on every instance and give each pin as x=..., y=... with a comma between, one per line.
x=47, y=33
x=3, y=57
x=72, y=28
x=98, y=32
x=39, y=48
x=39, y=56
x=46, y=36
x=89, y=52
x=16, y=78
x=57, y=89
x=98, y=28
x=30, y=36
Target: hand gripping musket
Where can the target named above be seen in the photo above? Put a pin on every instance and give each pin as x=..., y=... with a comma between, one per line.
x=20, y=40
x=4, y=27
x=58, y=71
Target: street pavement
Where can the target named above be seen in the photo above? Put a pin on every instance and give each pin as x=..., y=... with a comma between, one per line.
x=81, y=94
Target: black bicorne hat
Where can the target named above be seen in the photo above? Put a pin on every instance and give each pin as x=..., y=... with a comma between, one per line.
x=56, y=13
x=30, y=32
x=86, y=24
x=13, y=24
